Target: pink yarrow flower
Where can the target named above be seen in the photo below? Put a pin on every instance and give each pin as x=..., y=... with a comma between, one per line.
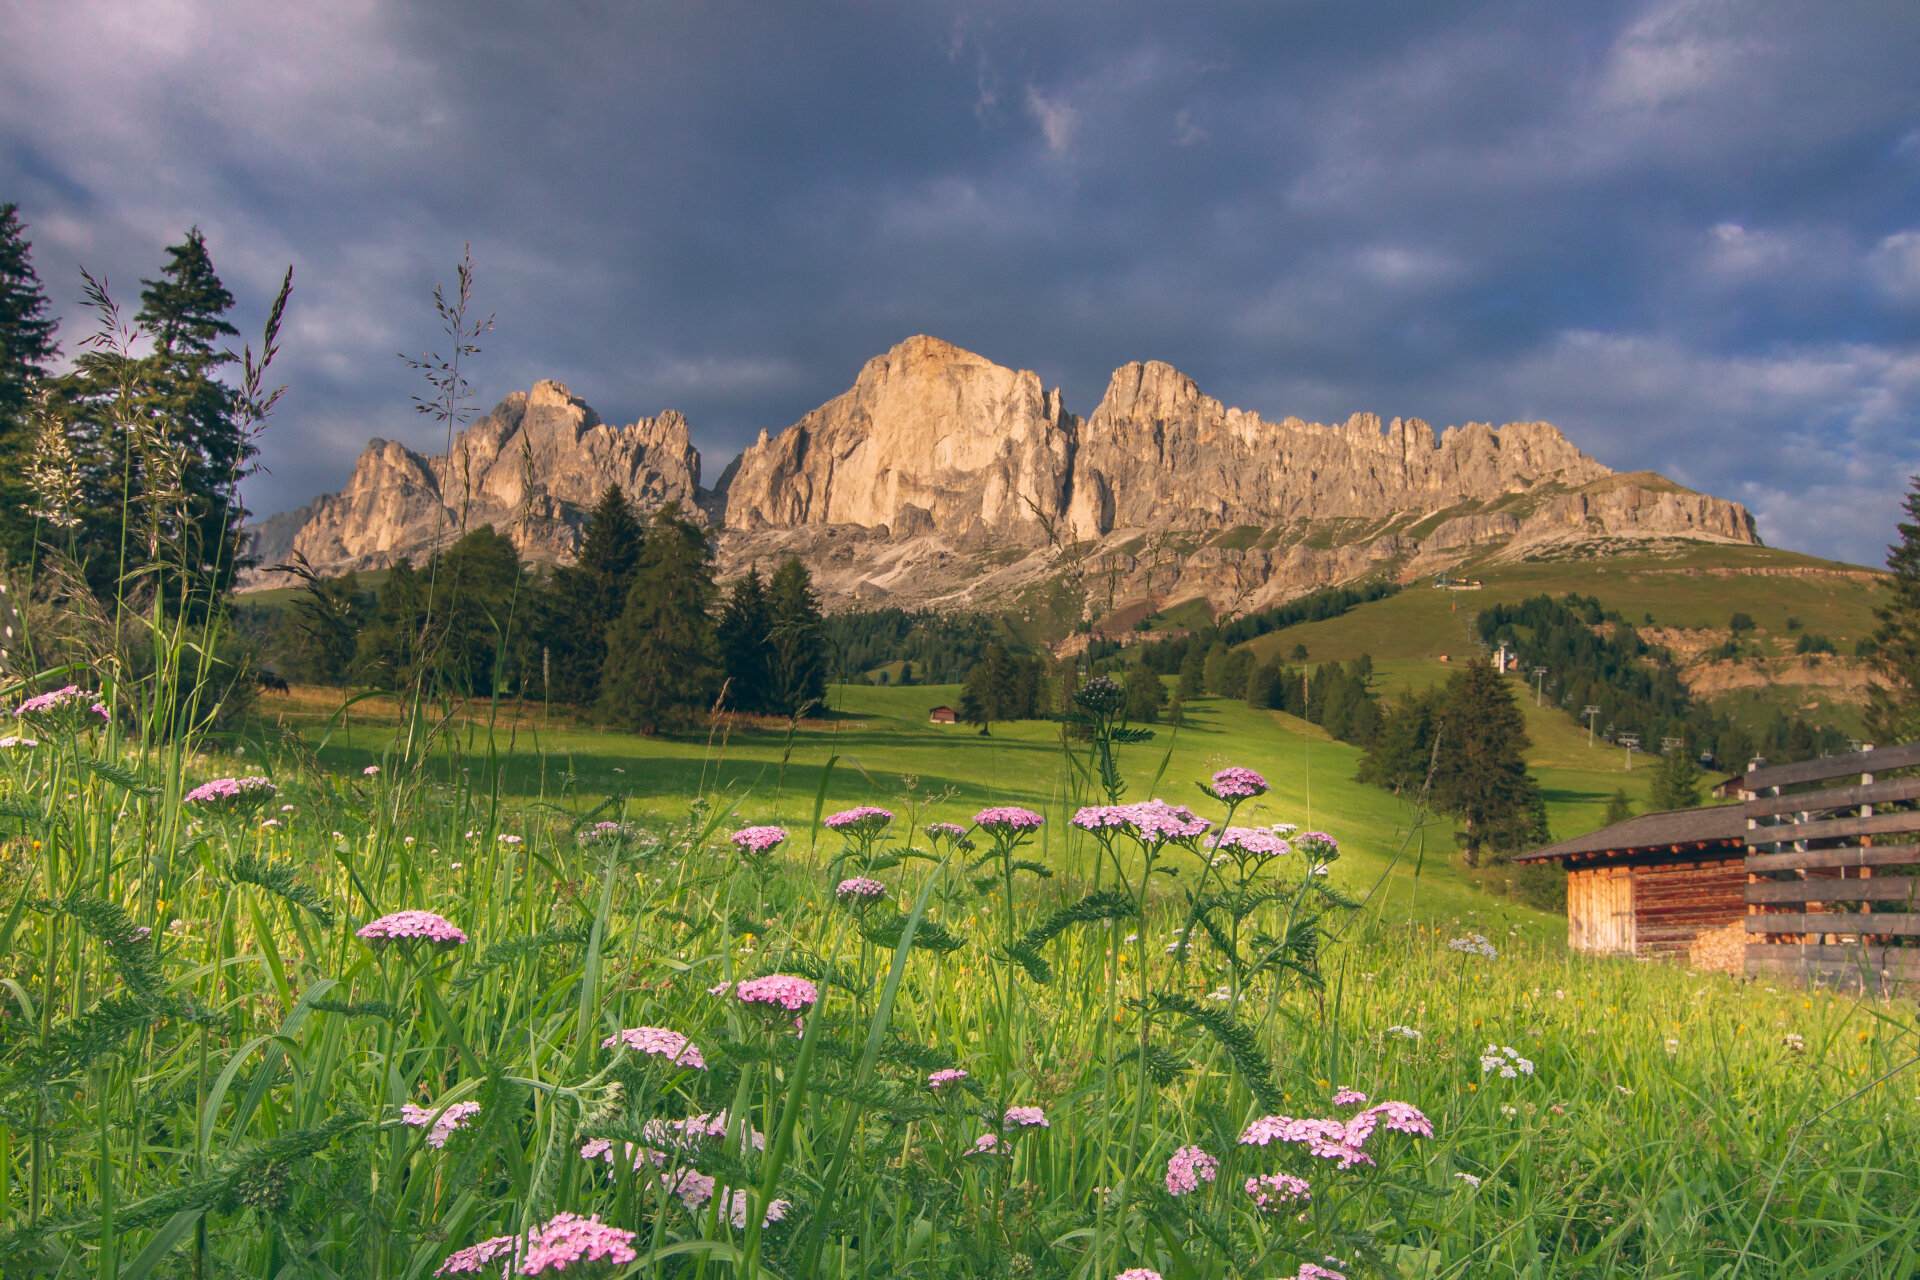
x=860, y=890
x=1024, y=1118
x=1403, y=1118
x=1008, y=820
x=412, y=926
x=944, y=831
x=14, y=743
x=862, y=820
x=671, y=1045
x=445, y=1121
x=564, y=1240
x=70, y=702
x=1350, y=1098
x=789, y=993
x=1327, y=1139
x=233, y=792
x=758, y=841
x=1235, y=783
x=1259, y=842
x=1188, y=1168
x=1137, y=1273
x=985, y=1144
x=1275, y=1191
x=1150, y=821
x=948, y=1076
x=1314, y=1271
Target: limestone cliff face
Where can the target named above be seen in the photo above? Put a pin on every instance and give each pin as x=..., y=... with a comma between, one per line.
x=941, y=478
x=929, y=438
x=1156, y=452
x=532, y=468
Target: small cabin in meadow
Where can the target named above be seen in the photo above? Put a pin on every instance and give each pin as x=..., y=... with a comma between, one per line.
x=940, y=715
x=1649, y=885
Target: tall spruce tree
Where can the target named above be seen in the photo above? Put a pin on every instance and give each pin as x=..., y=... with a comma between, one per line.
x=662, y=666
x=1894, y=713
x=796, y=642
x=746, y=643
x=581, y=600
x=27, y=351
x=1482, y=775
x=1676, y=781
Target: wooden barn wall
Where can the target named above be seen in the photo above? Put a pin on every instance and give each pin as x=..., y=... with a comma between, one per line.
x=1674, y=902
x=1600, y=909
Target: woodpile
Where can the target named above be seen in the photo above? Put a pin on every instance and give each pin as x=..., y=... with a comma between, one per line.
x=1721, y=950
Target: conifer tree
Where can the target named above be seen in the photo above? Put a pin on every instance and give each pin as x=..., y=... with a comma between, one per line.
x=1894, y=713
x=796, y=642
x=745, y=635
x=1618, y=810
x=581, y=600
x=1676, y=781
x=1482, y=773
x=27, y=350
x=662, y=666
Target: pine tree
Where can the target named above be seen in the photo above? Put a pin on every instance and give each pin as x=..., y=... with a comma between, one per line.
x=796, y=642
x=662, y=666
x=1401, y=752
x=745, y=640
x=1482, y=774
x=1193, y=670
x=27, y=350
x=1618, y=810
x=1676, y=781
x=580, y=601
x=990, y=689
x=1894, y=713
x=1146, y=695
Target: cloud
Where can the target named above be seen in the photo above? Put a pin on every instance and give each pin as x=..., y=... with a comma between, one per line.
x=1058, y=121
x=1895, y=264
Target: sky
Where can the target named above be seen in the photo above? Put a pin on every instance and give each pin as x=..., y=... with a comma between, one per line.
x=1686, y=233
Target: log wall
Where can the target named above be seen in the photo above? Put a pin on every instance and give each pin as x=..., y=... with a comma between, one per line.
x=1673, y=903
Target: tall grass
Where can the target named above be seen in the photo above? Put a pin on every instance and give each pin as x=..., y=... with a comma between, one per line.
x=204, y=1066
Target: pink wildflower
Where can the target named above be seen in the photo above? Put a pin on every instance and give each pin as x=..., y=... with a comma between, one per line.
x=474, y=1258
x=1274, y=1191
x=1138, y=1273
x=1314, y=1271
x=1024, y=1118
x=445, y=1121
x=864, y=819
x=1007, y=820
x=70, y=701
x=1403, y=1118
x=14, y=743
x=1259, y=842
x=568, y=1238
x=1317, y=845
x=758, y=841
x=860, y=890
x=947, y=1076
x=1349, y=1098
x=371, y=771
x=1327, y=1139
x=945, y=831
x=671, y=1045
x=1150, y=821
x=691, y=1132
x=790, y=993
x=1189, y=1167
x=412, y=926
x=233, y=792
x=985, y=1144
x=1235, y=783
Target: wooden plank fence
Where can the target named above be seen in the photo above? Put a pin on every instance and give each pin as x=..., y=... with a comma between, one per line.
x=1833, y=871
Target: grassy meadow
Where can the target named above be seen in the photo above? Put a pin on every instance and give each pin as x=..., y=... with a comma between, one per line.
x=209, y=1071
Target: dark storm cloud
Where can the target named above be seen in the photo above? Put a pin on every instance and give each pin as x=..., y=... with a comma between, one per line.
x=1685, y=232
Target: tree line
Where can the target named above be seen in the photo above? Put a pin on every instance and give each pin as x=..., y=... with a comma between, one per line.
x=635, y=631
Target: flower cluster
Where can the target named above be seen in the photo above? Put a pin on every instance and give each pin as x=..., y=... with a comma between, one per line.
x=671, y=1045
x=564, y=1240
x=1474, y=945
x=606, y=833
x=863, y=820
x=1256, y=842
x=1349, y=1098
x=789, y=993
x=69, y=704
x=1506, y=1060
x=1274, y=1191
x=1343, y=1141
x=12, y=743
x=1236, y=783
x=938, y=831
x=1317, y=845
x=695, y=1189
x=445, y=1120
x=1149, y=821
x=1188, y=1168
x=1102, y=695
x=947, y=1076
x=412, y=926
x=1007, y=820
x=1024, y=1118
x=1138, y=1273
x=233, y=793
x=758, y=841
x=860, y=890
x=1403, y=1033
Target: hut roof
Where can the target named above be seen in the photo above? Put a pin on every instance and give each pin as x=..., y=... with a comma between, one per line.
x=1710, y=825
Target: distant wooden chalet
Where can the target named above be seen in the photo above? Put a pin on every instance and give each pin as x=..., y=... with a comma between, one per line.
x=940, y=715
x=1649, y=885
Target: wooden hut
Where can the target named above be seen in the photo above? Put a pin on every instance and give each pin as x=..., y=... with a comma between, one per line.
x=1649, y=885
x=940, y=715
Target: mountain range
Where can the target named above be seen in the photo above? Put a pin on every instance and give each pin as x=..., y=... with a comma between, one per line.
x=942, y=479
